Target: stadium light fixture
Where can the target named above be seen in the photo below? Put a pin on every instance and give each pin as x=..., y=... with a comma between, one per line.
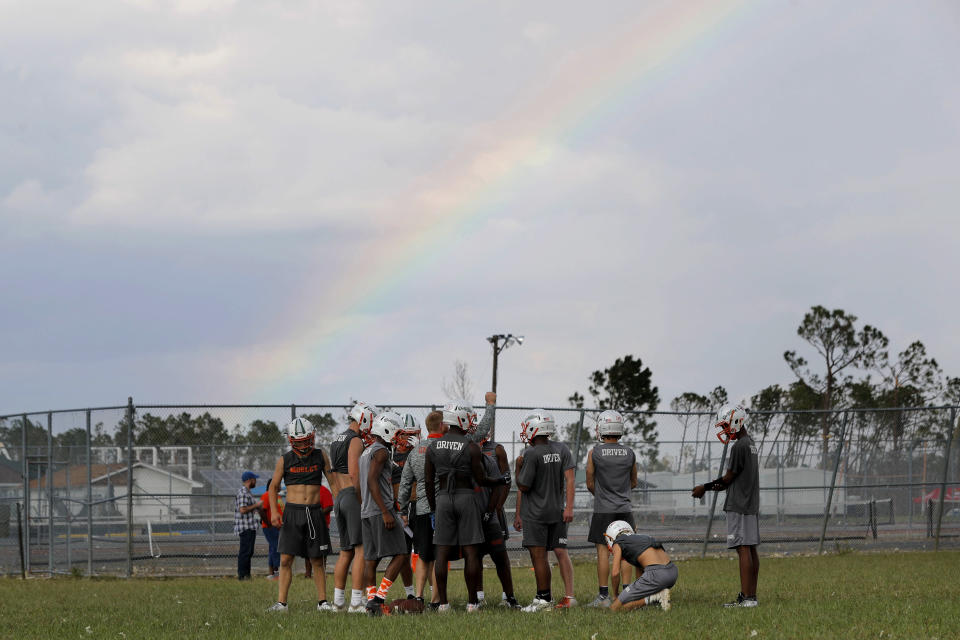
x=500, y=342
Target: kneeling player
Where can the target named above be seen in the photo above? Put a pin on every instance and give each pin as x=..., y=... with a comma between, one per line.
x=383, y=535
x=303, y=528
x=647, y=554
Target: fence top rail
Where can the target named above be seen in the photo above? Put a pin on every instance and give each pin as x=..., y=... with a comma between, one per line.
x=23, y=414
x=837, y=410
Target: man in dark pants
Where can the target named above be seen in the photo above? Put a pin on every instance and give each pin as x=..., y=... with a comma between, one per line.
x=742, y=506
x=245, y=523
x=456, y=461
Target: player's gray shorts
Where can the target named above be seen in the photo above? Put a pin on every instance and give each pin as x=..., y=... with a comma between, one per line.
x=655, y=578
x=458, y=519
x=346, y=507
x=552, y=535
x=742, y=530
x=380, y=542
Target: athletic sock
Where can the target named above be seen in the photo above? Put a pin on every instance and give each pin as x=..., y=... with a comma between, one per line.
x=480, y=595
x=384, y=588
x=371, y=591
x=356, y=597
x=544, y=595
x=409, y=590
x=605, y=592
x=339, y=599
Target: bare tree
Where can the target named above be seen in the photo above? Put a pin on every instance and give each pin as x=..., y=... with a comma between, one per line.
x=460, y=388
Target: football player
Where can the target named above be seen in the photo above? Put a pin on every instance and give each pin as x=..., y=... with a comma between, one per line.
x=742, y=505
x=545, y=478
x=658, y=574
x=611, y=475
x=382, y=529
x=421, y=516
x=303, y=529
x=344, y=478
x=495, y=532
x=406, y=440
x=454, y=465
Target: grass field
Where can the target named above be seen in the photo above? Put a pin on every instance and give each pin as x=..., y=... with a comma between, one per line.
x=895, y=595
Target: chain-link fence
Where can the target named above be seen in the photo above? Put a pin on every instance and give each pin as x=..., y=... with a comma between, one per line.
x=82, y=492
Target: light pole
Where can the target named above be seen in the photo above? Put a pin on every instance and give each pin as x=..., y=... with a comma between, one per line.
x=500, y=342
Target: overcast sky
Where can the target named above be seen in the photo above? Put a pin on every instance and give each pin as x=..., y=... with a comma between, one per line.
x=292, y=201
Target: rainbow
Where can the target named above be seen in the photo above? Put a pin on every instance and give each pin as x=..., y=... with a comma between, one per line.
x=587, y=89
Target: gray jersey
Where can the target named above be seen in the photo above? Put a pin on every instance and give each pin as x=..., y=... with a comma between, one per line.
x=543, y=472
x=612, y=467
x=633, y=545
x=743, y=494
x=368, y=506
x=413, y=475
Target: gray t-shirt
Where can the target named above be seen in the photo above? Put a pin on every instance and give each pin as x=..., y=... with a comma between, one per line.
x=632, y=546
x=743, y=495
x=612, y=466
x=369, y=507
x=542, y=471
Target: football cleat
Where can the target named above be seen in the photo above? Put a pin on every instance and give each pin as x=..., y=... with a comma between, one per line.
x=325, y=606
x=736, y=603
x=538, y=605
x=357, y=608
x=473, y=607
x=279, y=607
x=600, y=602
x=662, y=598
x=749, y=602
x=443, y=608
x=510, y=603
x=567, y=602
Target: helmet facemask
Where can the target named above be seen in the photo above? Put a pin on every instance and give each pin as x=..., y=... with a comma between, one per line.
x=730, y=421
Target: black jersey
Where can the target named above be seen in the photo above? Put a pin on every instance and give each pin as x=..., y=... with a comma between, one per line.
x=399, y=459
x=303, y=470
x=451, y=458
x=339, y=449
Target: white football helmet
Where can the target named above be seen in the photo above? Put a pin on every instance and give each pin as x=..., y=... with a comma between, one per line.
x=730, y=420
x=409, y=436
x=301, y=435
x=609, y=423
x=616, y=529
x=363, y=414
x=387, y=425
x=459, y=415
x=538, y=423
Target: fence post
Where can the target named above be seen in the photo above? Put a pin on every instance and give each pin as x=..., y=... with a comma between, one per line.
x=130, y=486
x=89, y=502
x=23, y=571
x=713, y=502
x=50, y=493
x=293, y=412
x=946, y=468
x=26, y=490
x=833, y=482
x=576, y=459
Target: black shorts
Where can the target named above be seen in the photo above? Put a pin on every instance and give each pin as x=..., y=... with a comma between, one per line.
x=457, y=520
x=423, y=538
x=552, y=535
x=600, y=521
x=493, y=537
x=346, y=507
x=304, y=531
